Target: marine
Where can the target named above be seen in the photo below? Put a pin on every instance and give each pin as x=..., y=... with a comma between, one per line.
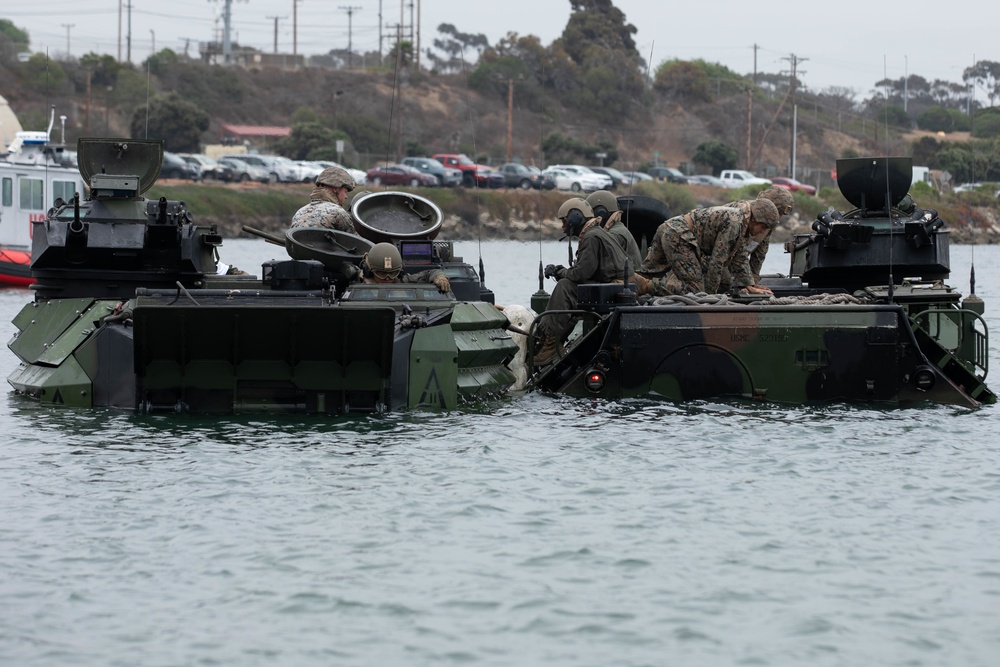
x=784, y=202
x=326, y=202
x=599, y=259
x=701, y=245
x=606, y=208
x=383, y=264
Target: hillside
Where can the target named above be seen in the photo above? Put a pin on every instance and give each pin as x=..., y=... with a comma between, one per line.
x=442, y=113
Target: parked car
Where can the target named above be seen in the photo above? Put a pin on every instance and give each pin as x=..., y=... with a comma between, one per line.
x=518, y=176
x=737, y=178
x=668, y=174
x=360, y=177
x=446, y=176
x=633, y=177
x=209, y=167
x=793, y=185
x=243, y=172
x=581, y=172
x=567, y=180
x=544, y=181
x=174, y=166
x=461, y=162
x=617, y=177
x=488, y=177
x=706, y=179
x=262, y=166
x=399, y=174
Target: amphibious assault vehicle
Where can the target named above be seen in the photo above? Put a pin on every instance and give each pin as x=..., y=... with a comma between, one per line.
x=130, y=309
x=864, y=315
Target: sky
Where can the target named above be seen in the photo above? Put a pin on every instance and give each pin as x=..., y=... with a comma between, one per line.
x=849, y=44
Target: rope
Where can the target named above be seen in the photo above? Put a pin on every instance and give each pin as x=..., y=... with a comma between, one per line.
x=703, y=299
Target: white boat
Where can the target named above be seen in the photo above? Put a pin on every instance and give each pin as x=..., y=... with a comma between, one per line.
x=34, y=174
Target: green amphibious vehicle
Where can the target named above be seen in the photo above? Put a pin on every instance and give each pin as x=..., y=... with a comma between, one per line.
x=130, y=310
x=864, y=315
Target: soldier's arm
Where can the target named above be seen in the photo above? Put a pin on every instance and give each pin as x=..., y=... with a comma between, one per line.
x=757, y=257
x=725, y=240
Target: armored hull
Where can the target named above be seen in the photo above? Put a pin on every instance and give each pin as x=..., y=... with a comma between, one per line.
x=843, y=326
x=130, y=312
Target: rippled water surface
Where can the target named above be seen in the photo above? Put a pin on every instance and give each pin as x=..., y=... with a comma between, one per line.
x=538, y=531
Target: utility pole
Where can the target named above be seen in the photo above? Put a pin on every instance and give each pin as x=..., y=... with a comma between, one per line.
x=128, y=35
x=276, y=19
x=379, y=33
x=794, y=60
x=906, y=80
x=295, y=27
x=152, y=35
x=418, y=36
x=350, y=49
x=119, y=30
x=510, y=117
x=67, y=26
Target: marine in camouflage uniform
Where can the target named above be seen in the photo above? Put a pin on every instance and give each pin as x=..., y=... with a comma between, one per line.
x=702, y=244
x=326, y=202
x=784, y=202
x=605, y=206
x=599, y=259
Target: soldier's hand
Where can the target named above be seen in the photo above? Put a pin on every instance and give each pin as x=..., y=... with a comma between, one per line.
x=553, y=271
x=443, y=284
x=758, y=289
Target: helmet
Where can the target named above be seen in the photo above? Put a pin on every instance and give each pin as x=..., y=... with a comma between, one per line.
x=335, y=177
x=575, y=203
x=573, y=213
x=907, y=205
x=764, y=212
x=780, y=197
x=384, y=261
x=603, y=198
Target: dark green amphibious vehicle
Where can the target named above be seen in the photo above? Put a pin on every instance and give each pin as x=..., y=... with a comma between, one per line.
x=864, y=315
x=130, y=309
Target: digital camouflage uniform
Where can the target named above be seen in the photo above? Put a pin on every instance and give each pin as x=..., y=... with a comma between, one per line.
x=699, y=246
x=784, y=202
x=656, y=265
x=599, y=259
x=321, y=213
x=324, y=208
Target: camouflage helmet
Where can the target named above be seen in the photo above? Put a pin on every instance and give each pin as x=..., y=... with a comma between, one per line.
x=603, y=198
x=780, y=197
x=384, y=258
x=575, y=203
x=764, y=212
x=335, y=177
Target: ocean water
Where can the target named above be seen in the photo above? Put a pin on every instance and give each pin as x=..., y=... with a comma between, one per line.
x=534, y=531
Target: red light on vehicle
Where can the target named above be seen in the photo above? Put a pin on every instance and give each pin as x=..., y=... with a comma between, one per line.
x=594, y=380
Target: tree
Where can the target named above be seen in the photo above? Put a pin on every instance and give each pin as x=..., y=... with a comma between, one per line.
x=682, y=80
x=309, y=139
x=986, y=123
x=716, y=154
x=985, y=75
x=458, y=48
x=43, y=72
x=940, y=119
x=171, y=118
x=13, y=40
x=160, y=62
x=103, y=68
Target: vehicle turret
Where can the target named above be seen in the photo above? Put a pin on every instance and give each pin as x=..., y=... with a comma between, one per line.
x=877, y=242
x=116, y=239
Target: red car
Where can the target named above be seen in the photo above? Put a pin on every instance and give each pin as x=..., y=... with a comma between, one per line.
x=793, y=185
x=400, y=174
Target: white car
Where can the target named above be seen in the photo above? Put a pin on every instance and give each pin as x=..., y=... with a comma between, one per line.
x=360, y=177
x=606, y=182
x=567, y=180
